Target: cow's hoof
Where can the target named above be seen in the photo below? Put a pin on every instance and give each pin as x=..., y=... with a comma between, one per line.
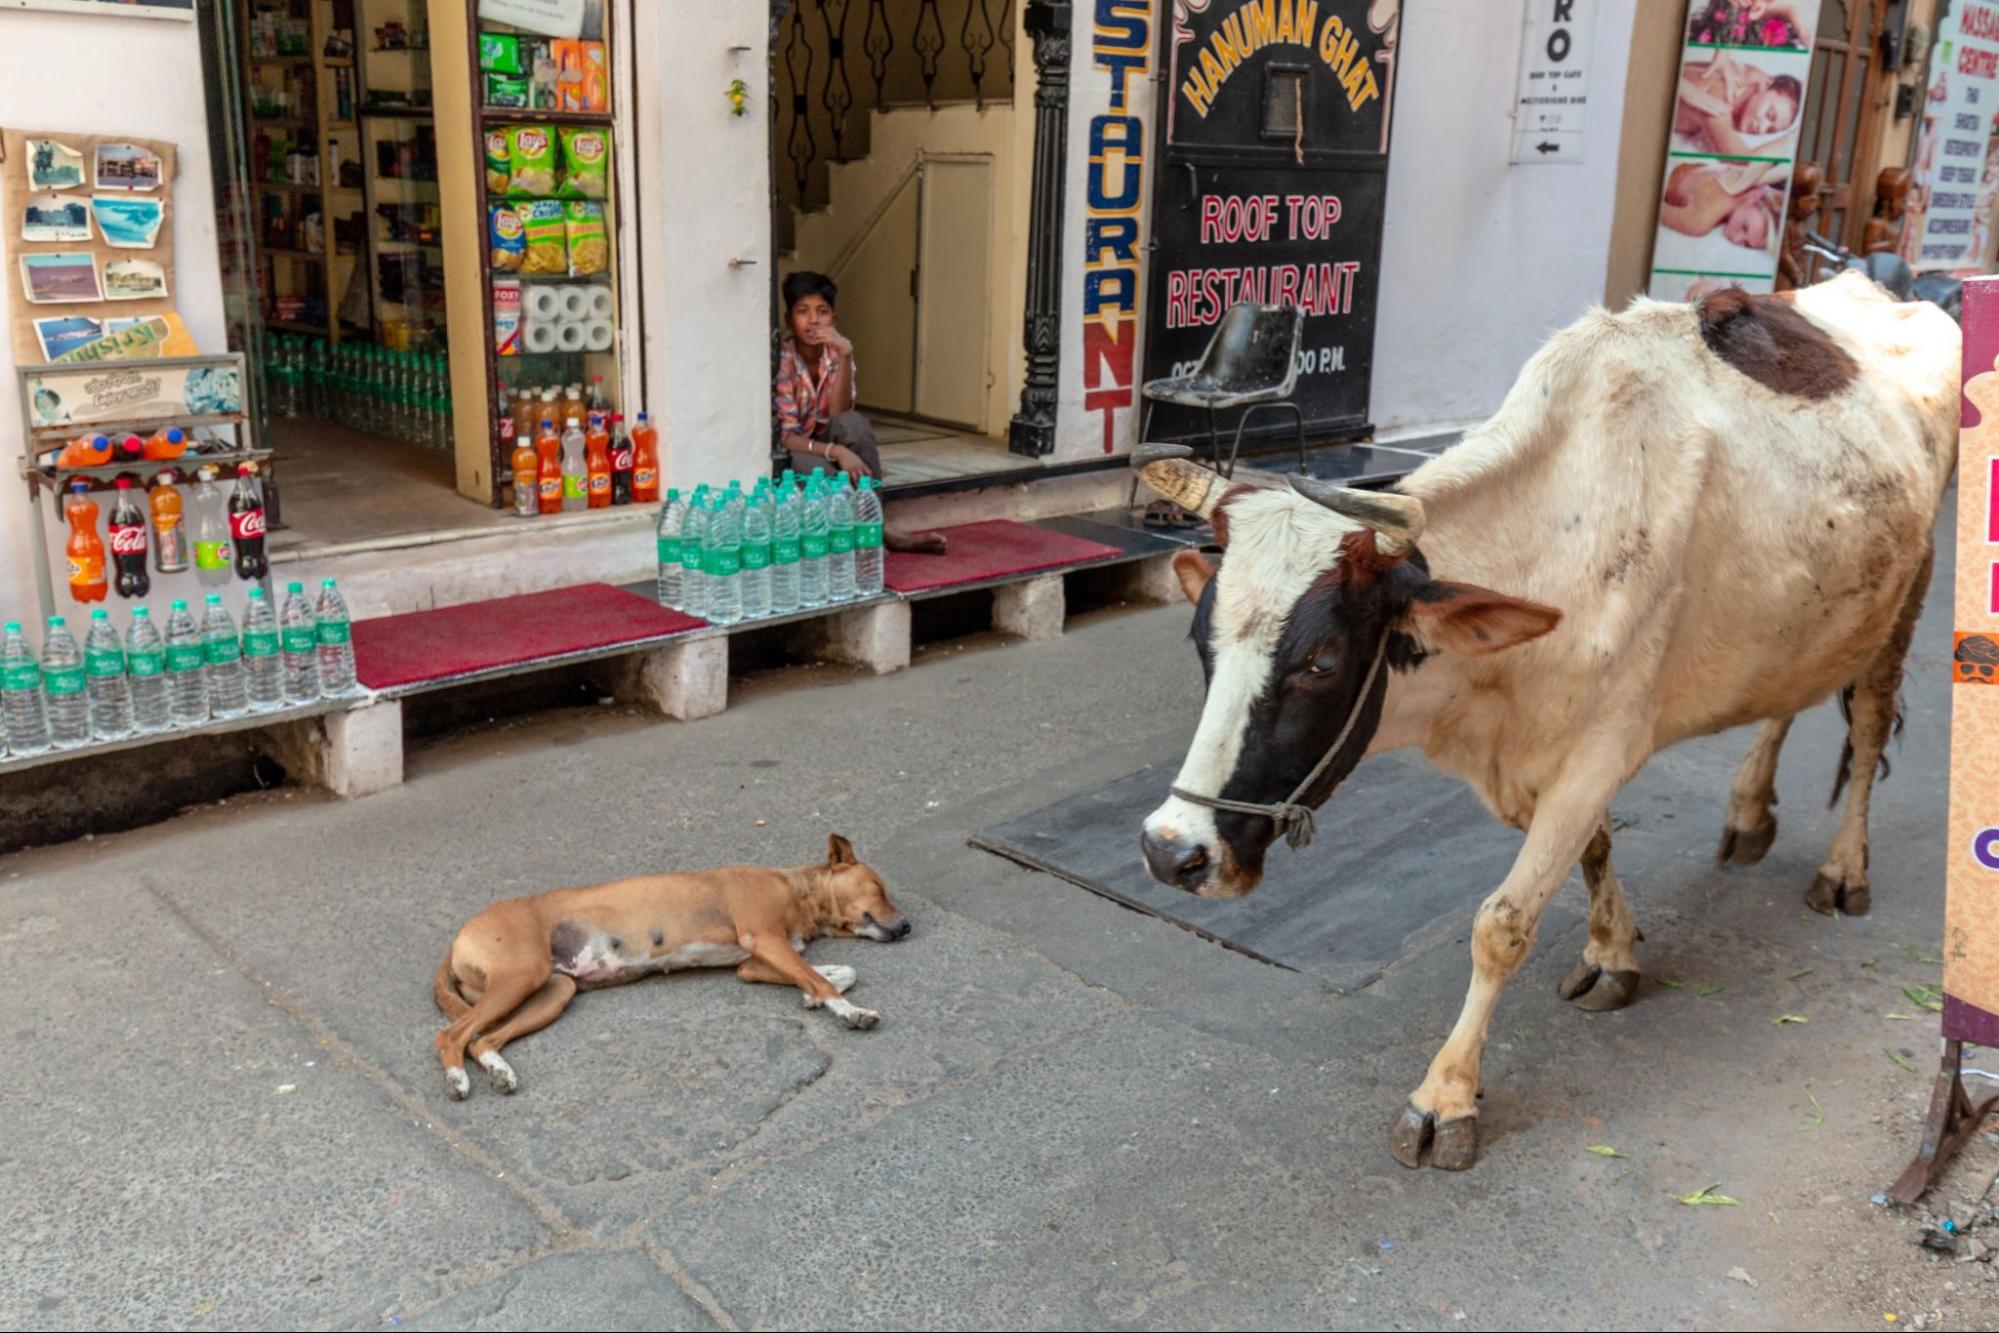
x=1456, y=1148
x=1833, y=897
x=1590, y=987
x=1745, y=847
x=1412, y=1135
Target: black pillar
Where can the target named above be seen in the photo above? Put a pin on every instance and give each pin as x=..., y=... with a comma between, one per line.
x=1033, y=428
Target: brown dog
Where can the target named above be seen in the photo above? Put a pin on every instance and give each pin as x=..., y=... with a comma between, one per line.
x=516, y=966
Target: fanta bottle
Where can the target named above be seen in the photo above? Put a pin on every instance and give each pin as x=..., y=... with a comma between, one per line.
x=86, y=451
x=645, y=461
x=548, y=474
x=166, y=444
x=86, y=549
x=597, y=462
x=526, y=469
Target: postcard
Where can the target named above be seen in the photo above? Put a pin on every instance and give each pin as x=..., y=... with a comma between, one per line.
x=66, y=333
x=53, y=166
x=128, y=222
x=56, y=217
x=134, y=280
x=126, y=166
x=60, y=276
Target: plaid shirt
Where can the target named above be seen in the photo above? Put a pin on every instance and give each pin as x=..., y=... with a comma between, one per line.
x=803, y=405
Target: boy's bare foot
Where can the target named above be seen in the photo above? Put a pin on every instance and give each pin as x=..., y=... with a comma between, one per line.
x=919, y=543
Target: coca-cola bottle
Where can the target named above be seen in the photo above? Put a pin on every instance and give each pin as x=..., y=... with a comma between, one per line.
x=246, y=524
x=621, y=459
x=128, y=543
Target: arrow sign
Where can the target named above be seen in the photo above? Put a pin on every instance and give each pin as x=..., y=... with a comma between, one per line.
x=1545, y=147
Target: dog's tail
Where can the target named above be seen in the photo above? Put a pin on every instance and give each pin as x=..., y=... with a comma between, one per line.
x=445, y=987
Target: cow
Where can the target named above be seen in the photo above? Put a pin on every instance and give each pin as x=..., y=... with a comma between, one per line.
x=1682, y=519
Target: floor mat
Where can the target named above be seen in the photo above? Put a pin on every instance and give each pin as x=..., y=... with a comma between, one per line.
x=1399, y=849
x=981, y=552
x=422, y=646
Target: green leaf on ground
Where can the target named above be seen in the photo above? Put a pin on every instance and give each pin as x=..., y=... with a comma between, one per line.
x=1924, y=997
x=1898, y=1059
x=1603, y=1150
x=1782, y=1019
x=1899, y=1017
x=1706, y=1194
x=1871, y=962
x=1709, y=988
x=1801, y=973
x=1676, y=985
x=1818, y=1114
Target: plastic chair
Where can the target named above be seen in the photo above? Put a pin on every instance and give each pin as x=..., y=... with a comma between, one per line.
x=1250, y=363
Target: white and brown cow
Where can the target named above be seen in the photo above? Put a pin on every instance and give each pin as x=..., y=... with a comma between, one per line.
x=1682, y=519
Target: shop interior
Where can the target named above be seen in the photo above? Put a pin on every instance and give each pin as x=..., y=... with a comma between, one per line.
x=348, y=220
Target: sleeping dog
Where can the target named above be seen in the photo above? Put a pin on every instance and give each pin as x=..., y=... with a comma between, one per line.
x=516, y=966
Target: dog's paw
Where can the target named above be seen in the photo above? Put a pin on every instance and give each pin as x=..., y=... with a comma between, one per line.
x=502, y=1073
x=840, y=975
x=853, y=1015
x=461, y=1086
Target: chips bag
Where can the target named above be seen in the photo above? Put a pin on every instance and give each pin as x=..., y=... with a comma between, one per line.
x=499, y=162
x=547, y=245
x=506, y=238
x=532, y=153
x=589, y=242
x=586, y=162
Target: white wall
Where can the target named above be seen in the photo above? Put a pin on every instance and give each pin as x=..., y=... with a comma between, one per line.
x=1481, y=259
x=42, y=90
x=704, y=200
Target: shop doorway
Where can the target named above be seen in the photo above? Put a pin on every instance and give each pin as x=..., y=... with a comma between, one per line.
x=1843, y=115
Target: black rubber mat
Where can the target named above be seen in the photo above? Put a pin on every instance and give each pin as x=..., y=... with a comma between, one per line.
x=1401, y=847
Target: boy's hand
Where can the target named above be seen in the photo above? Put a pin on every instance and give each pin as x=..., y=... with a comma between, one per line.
x=830, y=336
x=847, y=461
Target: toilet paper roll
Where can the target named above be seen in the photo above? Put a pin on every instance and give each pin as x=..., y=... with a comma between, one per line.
x=597, y=335
x=543, y=303
x=540, y=337
x=601, y=306
x=575, y=302
x=569, y=337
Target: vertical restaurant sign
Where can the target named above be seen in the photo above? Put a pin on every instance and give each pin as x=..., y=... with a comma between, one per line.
x=1113, y=204
x=1952, y=192
x=1737, y=110
x=1971, y=902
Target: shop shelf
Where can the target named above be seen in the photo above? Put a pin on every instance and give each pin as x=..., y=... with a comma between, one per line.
x=509, y=115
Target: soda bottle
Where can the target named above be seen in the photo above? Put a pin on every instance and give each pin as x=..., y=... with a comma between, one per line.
x=187, y=667
x=756, y=558
x=169, y=537
x=246, y=524
x=548, y=468
x=166, y=444
x=599, y=402
x=86, y=451
x=867, y=540
x=130, y=449
x=645, y=462
x=575, y=471
x=64, y=684
x=572, y=404
x=722, y=559
x=814, y=537
x=213, y=555
x=840, y=540
x=527, y=471
x=525, y=413
x=784, y=552
x=672, y=518
x=298, y=636
x=597, y=464
x=145, y=673
x=621, y=459
x=263, y=672
x=128, y=543
x=694, y=555
x=222, y=659
x=104, y=680
x=86, y=548
x=27, y=724
x=336, y=642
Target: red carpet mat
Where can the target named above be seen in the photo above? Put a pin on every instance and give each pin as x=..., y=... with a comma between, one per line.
x=508, y=631
x=990, y=550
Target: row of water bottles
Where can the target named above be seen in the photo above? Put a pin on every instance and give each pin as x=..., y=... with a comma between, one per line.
x=786, y=546
x=151, y=681
x=382, y=390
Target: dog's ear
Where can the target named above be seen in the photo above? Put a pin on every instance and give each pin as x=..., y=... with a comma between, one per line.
x=840, y=852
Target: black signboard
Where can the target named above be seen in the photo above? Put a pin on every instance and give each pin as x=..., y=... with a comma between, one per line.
x=1272, y=167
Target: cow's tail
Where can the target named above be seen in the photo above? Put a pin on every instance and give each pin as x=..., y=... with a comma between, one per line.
x=444, y=987
x=1845, y=773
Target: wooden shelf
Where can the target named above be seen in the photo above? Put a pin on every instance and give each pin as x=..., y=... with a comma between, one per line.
x=294, y=326
x=509, y=115
x=281, y=60
x=396, y=113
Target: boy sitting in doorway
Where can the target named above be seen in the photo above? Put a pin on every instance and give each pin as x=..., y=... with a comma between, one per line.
x=813, y=397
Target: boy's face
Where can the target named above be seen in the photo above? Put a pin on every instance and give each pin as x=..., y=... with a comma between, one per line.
x=811, y=319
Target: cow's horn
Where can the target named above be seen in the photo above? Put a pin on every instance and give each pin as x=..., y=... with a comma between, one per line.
x=1169, y=469
x=1397, y=520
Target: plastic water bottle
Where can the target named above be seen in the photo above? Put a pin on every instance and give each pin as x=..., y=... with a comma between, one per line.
x=63, y=683
x=21, y=694
x=756, y=558
x=187, y=668
x=672, y=520
x=783, y=552
x=146, y=672
x=264, y=672
x=694, y=556
x=104, y=676
x=840, y=541
x=298, y=641
x=813, y=539
x=867, y=540
x=724, y=561
x=336, y=642
x=222, y=656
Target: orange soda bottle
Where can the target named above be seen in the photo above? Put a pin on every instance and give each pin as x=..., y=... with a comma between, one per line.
x=597, y=463
x=86, y=549
x=645, y=461
x=548, y=468
x=526, y=468
x=166, y=444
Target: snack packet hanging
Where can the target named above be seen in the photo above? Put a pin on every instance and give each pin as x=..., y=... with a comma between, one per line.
x=499, y=163
x=532, y=152
x=500, y=53
x=506, y=238
x=547, y=246
x=589, y=243
x=586, y=162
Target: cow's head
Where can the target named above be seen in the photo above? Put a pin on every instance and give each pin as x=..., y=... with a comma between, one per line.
x=1316, y=582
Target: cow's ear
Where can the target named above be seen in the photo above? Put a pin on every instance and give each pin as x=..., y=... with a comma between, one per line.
x=1194, y=571
x=1468, y=621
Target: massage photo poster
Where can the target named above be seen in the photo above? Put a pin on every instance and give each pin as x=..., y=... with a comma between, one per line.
x=1954, y=167
x=1737, y=109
